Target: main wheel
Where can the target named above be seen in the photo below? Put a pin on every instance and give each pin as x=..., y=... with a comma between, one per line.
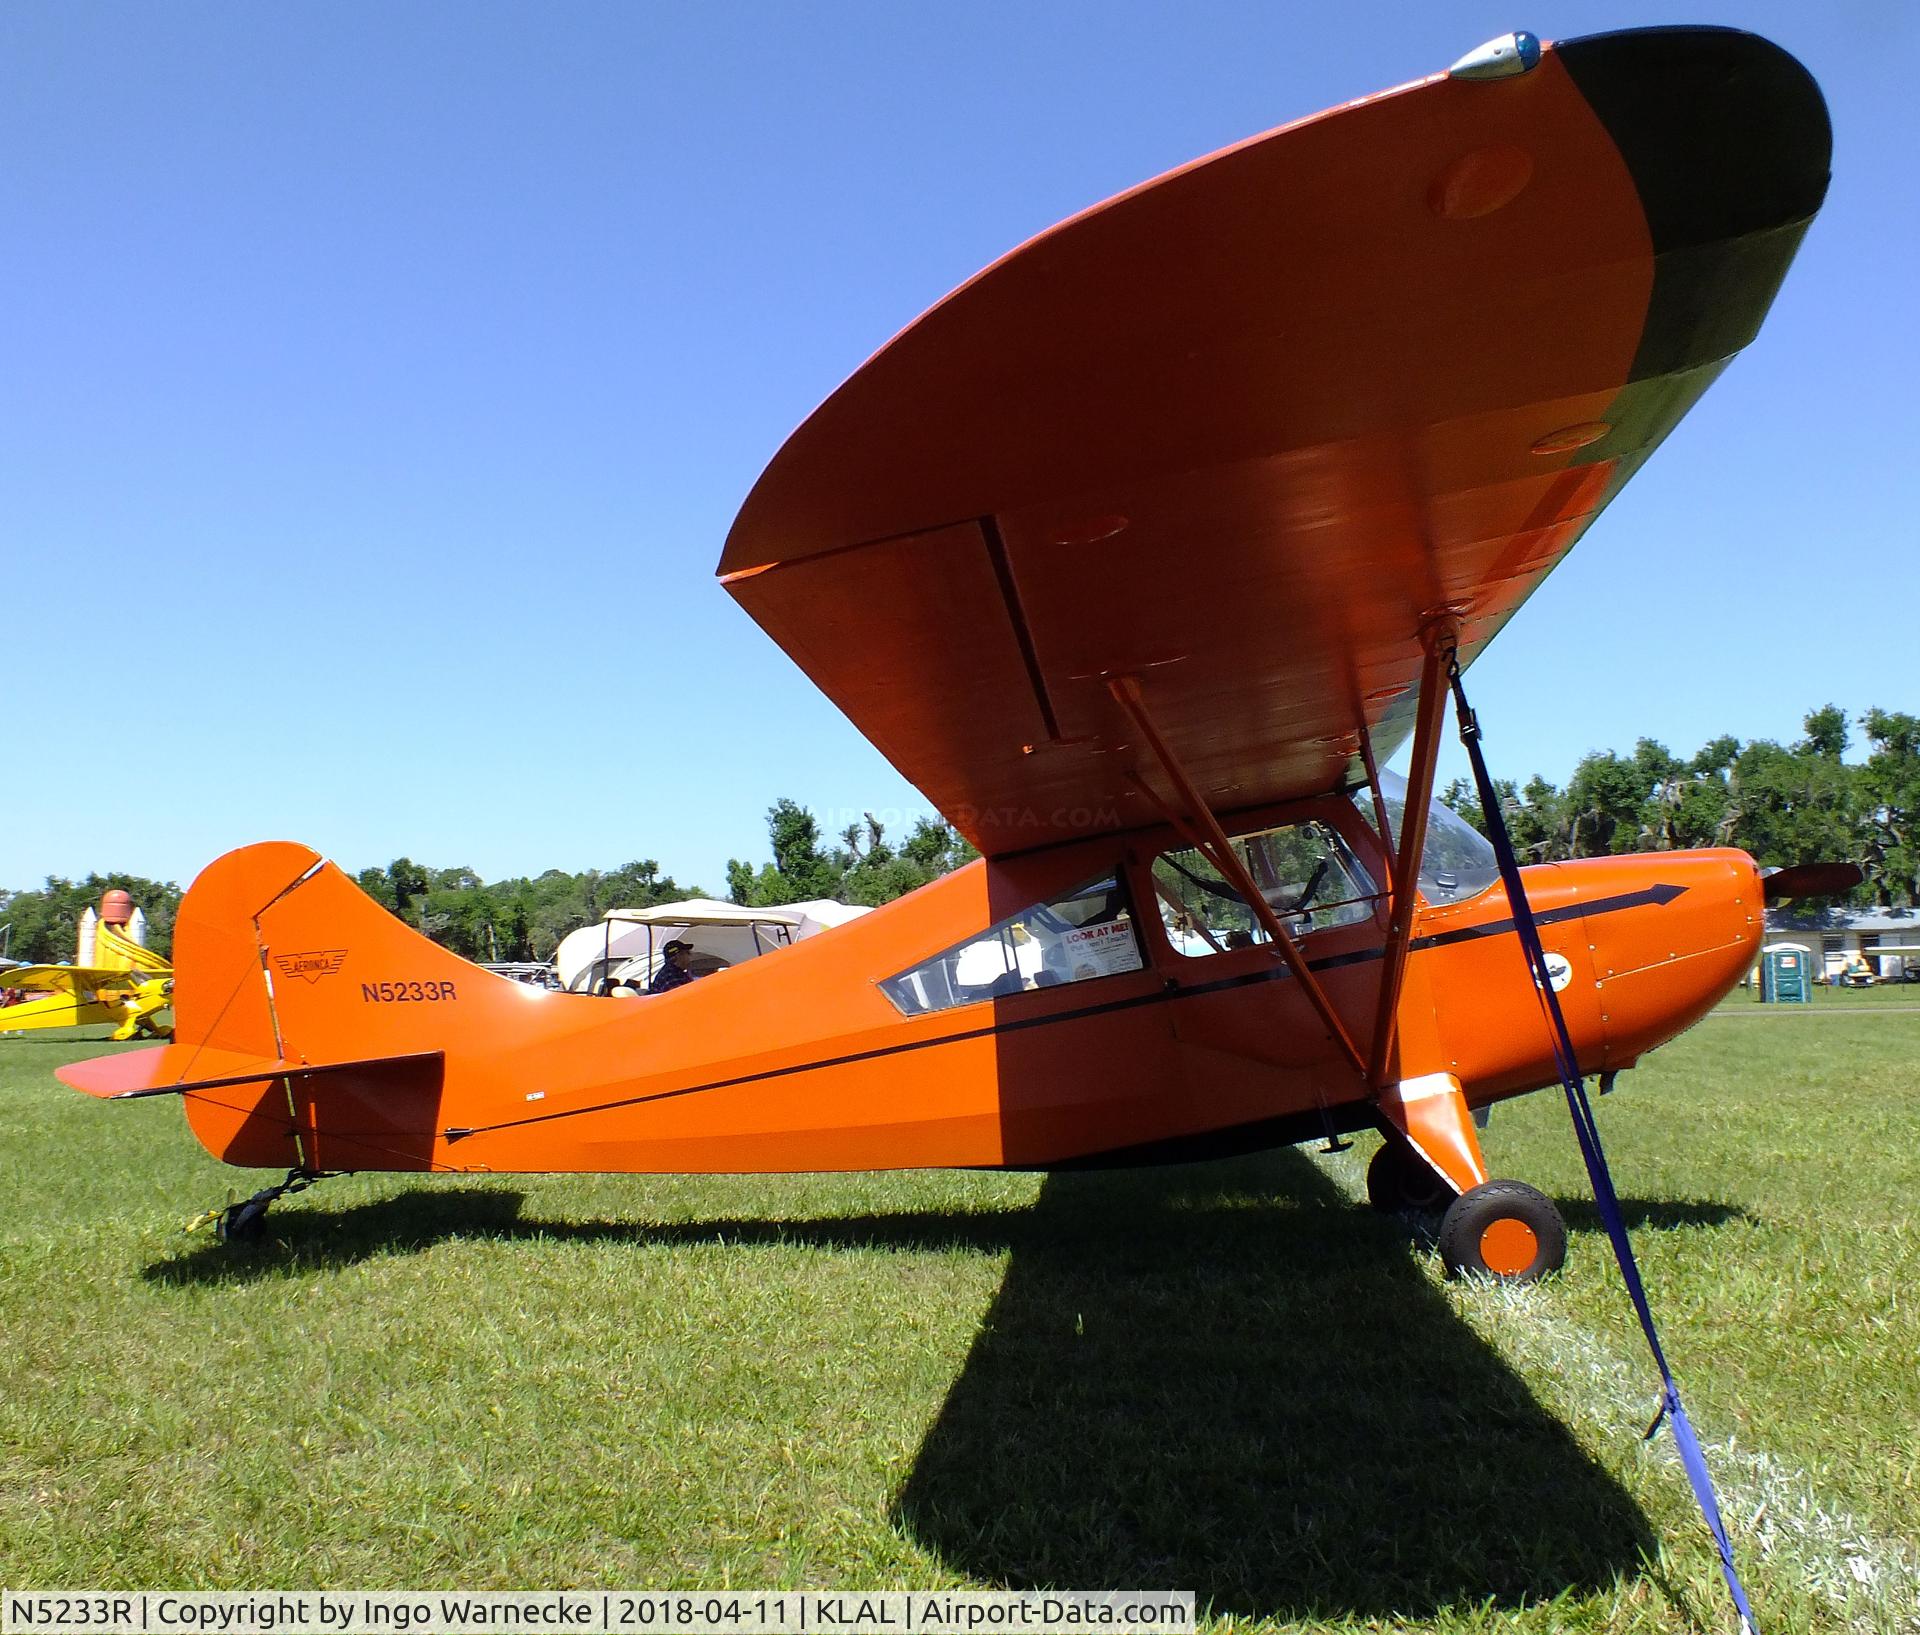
x=1503, y=1229
x=1399, y=1178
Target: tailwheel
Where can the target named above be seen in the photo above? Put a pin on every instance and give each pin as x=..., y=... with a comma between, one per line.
x=1400, y=1179
x=1505, y=1230
x=243, y=1222
x=246, y=1221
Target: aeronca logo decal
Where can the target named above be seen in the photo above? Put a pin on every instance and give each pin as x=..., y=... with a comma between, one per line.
x=313, y=964
x=1559, y=972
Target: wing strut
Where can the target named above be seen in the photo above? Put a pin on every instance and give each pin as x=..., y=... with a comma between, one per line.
x=1379, y=800
x=1440, y=636
x=1214, y=845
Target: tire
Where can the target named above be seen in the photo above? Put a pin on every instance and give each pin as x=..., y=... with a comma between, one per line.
x=242, y=1223
x=1505, y=1230
x=1400, y=1179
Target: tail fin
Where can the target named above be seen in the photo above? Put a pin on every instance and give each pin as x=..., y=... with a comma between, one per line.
x=285, y=1050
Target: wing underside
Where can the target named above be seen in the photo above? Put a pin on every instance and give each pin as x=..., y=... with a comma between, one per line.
x=1242, y=431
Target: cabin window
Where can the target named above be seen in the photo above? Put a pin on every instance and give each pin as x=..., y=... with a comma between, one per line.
x=1306, y=872
x=1084, y=933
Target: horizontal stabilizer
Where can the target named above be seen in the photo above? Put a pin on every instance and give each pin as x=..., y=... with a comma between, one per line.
x=172, y=1070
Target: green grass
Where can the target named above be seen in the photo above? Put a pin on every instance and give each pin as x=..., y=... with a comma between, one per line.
x=1228, y=1378
x=1888, y=996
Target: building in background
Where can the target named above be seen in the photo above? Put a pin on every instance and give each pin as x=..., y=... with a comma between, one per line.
x=1885, y=940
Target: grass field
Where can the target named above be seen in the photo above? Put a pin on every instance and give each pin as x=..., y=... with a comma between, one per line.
x=1228, y=1378
x=1888, y=997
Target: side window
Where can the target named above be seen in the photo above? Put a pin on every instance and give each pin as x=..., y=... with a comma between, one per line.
x=1305, y=871
x=1088, y=932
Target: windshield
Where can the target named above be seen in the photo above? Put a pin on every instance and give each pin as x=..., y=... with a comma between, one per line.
x=1459, y=861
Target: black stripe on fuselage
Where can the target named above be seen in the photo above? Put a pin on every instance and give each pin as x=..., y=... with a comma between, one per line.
x=1655, y=896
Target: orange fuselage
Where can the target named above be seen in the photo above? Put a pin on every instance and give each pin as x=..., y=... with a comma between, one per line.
x=800, y=1060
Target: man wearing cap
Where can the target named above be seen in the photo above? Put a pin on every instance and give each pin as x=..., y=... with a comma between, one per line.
x=675, y=967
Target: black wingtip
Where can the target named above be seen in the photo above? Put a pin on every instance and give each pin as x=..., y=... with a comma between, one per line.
x=1726, y=134
x=1727, y=140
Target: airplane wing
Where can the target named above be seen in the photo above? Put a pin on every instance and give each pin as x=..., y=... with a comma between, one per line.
x=1241, y=431
x=67, y=979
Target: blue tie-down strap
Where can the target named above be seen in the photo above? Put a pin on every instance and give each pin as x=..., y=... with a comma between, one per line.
x=1692, y=1458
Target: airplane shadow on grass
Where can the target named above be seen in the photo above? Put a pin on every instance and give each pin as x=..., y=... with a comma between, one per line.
x=1230, y=1380
x=1221, y=1377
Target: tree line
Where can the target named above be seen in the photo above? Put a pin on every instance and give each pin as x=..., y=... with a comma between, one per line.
x=525, y=918
x=863, y=868
x=1785, y=803
x=43, y=927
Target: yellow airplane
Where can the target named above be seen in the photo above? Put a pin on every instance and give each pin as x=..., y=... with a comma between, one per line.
x=113, y=980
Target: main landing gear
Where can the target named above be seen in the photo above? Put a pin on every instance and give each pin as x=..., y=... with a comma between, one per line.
x=1503, y=1229
x=1500, y=1229
x=1400, y=1181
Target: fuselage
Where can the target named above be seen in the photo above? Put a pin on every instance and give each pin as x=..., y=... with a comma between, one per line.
x=1088, y=1003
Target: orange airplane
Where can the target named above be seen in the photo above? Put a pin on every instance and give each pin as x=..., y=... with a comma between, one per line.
x=1139, y=554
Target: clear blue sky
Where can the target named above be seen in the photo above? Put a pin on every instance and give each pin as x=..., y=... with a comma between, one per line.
x=378, y=382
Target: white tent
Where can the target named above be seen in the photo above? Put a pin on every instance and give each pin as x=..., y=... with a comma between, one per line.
x=626, y=945
x=821, y=914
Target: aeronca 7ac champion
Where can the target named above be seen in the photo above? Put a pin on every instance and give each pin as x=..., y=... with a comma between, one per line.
x=1139, y=554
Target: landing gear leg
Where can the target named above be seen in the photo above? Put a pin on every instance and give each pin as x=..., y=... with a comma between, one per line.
x=1431, y=1161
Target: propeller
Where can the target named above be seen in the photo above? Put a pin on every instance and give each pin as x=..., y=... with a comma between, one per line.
x=1810, y=880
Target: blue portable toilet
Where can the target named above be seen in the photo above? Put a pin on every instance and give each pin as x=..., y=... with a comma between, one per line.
x=1786, y=974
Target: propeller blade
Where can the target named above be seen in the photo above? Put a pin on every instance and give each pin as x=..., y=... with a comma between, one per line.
x=1810, y=880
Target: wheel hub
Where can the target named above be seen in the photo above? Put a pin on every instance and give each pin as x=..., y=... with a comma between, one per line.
x=1508, y=1246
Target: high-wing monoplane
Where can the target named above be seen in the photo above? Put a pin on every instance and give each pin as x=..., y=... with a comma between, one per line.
x=1140, y=553
x=114, y=978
